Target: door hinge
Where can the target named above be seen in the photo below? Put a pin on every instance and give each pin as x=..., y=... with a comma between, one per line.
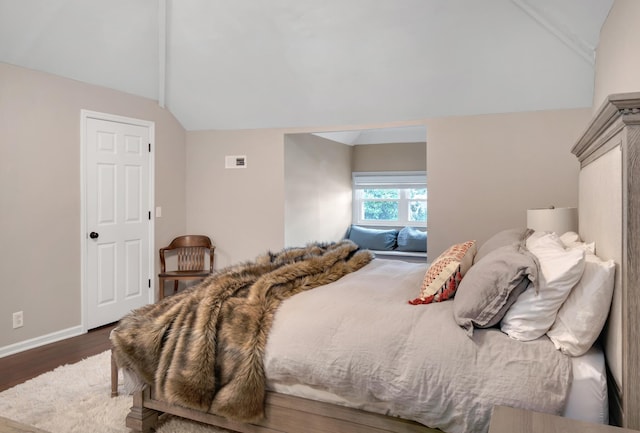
x=149, y=283
x=149, y=147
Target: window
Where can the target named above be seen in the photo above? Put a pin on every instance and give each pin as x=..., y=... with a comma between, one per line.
x=390, y=199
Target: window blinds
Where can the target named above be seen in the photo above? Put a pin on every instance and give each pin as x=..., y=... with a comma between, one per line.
x=379, y=180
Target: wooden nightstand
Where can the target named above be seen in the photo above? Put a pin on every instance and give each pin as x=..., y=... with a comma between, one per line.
x=510, y=420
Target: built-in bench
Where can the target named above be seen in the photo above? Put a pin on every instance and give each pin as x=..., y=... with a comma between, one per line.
x=407, y=256
x=407, y=243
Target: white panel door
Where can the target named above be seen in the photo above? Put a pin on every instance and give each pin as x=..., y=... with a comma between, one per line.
x=117, y=249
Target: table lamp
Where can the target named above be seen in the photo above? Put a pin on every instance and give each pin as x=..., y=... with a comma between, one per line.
x=553, y=219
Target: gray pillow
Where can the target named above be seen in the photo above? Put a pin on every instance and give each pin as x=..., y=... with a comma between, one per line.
x=373, y=239
x=412, y=239
x=492, y=285
x=501, y=239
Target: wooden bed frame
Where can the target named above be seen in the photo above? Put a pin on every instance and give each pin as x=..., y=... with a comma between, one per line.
x=283, y=414
x=615, y=128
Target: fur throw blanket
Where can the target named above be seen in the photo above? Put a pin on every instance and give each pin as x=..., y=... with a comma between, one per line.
x=203, y=347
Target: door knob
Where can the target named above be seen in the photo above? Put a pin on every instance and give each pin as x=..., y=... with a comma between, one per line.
x=93, y=235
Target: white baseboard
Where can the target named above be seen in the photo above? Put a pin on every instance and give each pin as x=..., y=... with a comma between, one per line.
x=41, y=341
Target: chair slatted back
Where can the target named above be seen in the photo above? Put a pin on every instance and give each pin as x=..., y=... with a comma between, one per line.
x=191, y=258
x=190, y=251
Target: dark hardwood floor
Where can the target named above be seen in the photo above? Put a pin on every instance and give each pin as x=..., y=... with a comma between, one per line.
x=18, y=368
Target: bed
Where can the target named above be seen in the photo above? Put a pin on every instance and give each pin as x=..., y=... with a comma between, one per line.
x=609, y=213
x=608, y=154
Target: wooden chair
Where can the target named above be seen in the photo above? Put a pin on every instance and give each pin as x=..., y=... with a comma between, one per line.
x=190, y=251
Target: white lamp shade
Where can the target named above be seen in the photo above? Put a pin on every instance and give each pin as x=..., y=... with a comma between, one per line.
x=559, y=220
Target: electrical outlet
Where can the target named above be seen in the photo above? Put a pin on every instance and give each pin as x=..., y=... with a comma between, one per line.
x=18, y=320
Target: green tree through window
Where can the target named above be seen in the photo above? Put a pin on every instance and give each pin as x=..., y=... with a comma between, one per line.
x=380, y=204
x=418, y=204
x=393, y=199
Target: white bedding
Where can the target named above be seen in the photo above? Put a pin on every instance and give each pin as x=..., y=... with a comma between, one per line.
x=588, y=399
x=357, y=342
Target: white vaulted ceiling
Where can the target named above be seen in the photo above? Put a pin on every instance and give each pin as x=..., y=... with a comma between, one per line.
x=229, y=64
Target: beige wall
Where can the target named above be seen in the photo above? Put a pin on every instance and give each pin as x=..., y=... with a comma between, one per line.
x=40, y=194
x=617, y=59
x=318, y=195
x=242, y=210
x=317, y=185
x=485, y=171
x=390, y=157
x=617, y=71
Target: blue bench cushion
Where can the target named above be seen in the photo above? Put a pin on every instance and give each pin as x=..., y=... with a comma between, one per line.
x=373, y=239
x=412, y=239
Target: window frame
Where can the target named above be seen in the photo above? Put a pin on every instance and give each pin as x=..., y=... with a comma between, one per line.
x=403, y=181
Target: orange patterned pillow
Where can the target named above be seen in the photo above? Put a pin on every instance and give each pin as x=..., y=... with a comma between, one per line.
x=443, y=276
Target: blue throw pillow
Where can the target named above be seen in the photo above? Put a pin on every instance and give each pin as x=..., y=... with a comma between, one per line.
x=412, y=239
x=373, y=239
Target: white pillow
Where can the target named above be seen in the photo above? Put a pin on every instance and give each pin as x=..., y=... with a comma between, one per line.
x=568, y=238
x=583, y=314
x=534, y=312
x=572, y=240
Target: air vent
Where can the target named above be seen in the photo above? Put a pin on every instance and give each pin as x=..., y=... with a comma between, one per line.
x=235, y=161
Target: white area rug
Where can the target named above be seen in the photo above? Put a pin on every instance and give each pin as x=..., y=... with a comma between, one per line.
x=76, y=398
